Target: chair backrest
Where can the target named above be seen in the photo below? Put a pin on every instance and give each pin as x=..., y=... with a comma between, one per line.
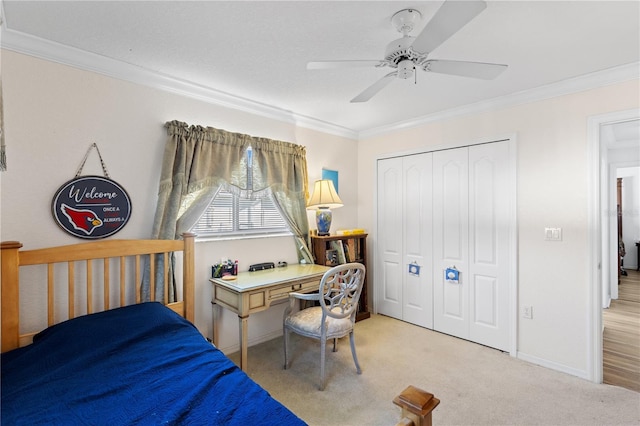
x=340, y=288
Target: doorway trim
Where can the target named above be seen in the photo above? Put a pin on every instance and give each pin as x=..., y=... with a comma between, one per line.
x=594, y=220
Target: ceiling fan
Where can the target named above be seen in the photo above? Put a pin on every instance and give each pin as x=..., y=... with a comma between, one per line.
x=409, y=53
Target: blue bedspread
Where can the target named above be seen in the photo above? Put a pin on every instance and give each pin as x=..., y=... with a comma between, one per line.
x=140, y=364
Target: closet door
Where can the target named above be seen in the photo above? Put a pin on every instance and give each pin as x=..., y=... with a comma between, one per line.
x=451, y=241
x=471, y=234
x=489, y=244
x=417, y=249
x=404, y=238
x=389, y=238
x=440, y=210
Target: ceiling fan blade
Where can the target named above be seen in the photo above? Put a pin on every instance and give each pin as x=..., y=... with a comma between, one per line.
x=327, y=65
x=466, y=69
x=449, y=19
x=370, y=91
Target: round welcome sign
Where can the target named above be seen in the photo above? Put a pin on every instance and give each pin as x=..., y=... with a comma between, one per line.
x=91, y=207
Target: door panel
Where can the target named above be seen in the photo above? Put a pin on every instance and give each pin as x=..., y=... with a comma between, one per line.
x=453, y=305
x=485, y=301
x=489, y=242
x=392, y=291
x=417, y=195
x=451, y=241
x=389, y=235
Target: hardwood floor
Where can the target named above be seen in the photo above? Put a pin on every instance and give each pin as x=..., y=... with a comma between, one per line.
x=621, y=337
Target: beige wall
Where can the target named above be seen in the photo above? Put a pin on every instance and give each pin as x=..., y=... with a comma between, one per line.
x=54, y=112
x=552, y=190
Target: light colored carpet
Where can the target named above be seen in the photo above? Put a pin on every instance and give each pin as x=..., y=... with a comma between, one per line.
x=475, y=384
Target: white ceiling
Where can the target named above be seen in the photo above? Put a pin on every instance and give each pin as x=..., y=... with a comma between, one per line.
x=258, y=51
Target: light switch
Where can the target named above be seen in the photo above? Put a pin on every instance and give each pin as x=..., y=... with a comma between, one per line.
x=553, y=234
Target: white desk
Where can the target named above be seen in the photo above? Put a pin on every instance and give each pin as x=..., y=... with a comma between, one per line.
x=255, y=291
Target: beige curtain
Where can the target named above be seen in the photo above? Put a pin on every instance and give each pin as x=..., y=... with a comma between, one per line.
x=199, y=161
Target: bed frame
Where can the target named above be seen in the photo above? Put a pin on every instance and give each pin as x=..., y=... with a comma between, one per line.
x=12, y=259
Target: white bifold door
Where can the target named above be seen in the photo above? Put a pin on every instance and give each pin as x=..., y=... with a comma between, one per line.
x=448, y=209
x=404, y=238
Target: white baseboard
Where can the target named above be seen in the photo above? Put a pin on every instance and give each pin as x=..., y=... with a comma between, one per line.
x=553, y=365
x=257, y=340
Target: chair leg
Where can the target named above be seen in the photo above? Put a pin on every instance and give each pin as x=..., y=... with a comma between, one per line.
x=323, y=348
x=353, y=352
x=335, y=345
x=286, y=348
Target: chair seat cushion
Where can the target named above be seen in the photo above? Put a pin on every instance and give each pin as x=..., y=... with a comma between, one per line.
x=307, y=321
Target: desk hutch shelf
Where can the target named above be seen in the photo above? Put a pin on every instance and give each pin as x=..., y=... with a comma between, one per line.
x=332, y=250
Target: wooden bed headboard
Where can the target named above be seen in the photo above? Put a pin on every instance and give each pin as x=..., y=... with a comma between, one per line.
x=12, y=259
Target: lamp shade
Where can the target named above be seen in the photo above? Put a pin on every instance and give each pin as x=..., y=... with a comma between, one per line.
x=324, y=196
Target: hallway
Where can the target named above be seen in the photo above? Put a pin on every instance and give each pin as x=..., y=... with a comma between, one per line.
x=621, y=337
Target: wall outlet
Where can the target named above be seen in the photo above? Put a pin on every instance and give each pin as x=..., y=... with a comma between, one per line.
x=527, y=312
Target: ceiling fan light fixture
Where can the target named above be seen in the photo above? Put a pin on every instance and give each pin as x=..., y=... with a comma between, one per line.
x=405, y=69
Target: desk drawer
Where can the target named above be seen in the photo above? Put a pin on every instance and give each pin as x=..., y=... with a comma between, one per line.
x=227, y=298
x=306, y=286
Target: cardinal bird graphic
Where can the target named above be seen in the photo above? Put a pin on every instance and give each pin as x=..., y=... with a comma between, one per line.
x=82, y=220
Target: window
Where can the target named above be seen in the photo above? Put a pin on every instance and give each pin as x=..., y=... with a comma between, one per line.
x=231, y=215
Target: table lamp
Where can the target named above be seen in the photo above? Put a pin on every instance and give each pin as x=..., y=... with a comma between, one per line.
x=323, y=199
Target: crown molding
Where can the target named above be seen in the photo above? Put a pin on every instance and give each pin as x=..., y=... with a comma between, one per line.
x=55, y=52
x=577, y=84
x=66, y=55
